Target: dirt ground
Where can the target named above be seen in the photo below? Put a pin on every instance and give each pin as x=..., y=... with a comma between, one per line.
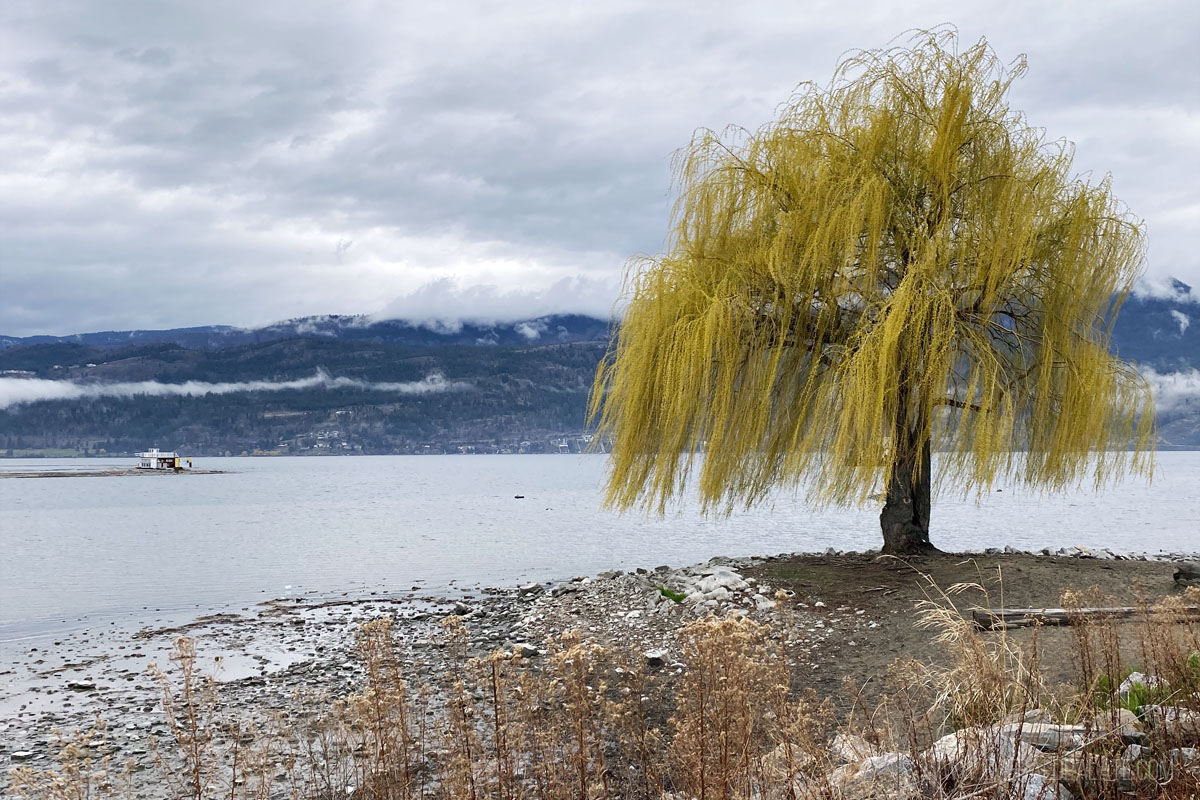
x=889, y=591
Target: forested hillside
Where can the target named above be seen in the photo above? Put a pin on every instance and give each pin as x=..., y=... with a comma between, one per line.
x=364, y=386
x=500, y=398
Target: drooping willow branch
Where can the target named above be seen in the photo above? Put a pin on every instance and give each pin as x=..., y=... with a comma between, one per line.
x=897, y=248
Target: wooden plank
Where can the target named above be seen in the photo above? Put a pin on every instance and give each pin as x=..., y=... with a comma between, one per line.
x=996, y=618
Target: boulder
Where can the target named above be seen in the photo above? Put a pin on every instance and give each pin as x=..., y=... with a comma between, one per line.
x=1187, y=573
x=784, y=763
x=1047, y=736
x=985, y=754
x=1031, y=715
x=1120, y=721
x=890, y=776
x=1172, y=721
x=848, y=748
x=655, y=658
x=1039, y=787
x=1139, y=679
x=1135, y=752
x=720, y=578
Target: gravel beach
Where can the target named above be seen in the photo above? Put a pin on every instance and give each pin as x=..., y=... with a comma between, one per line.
x=840, y=615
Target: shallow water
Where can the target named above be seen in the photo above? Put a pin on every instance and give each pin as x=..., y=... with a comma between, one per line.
x=80, y=550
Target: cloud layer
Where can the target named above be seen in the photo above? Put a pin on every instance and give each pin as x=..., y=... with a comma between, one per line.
x=21, y=391
x=1174, y=391
x=167, y=164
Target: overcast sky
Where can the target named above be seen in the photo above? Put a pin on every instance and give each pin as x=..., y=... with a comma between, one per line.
x=187, y=163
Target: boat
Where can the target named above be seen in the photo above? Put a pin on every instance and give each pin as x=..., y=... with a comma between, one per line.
x=155, y=459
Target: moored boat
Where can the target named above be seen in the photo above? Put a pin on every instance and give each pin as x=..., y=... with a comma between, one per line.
x=155, y=459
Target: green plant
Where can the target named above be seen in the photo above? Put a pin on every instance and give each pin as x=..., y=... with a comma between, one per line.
x=670, y=594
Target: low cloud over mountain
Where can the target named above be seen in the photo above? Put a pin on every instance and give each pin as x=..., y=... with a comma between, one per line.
x=18, y=391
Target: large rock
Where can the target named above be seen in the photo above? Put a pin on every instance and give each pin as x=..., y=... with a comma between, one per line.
x=1047, y=736
x=720, y=578
x=655, y=658
x=849, y=748
x=1039, y=787
x=1187, y=573
x=1139, y=679
x=1173, y=721
x=1121, y=722
x=891, y=776
x=985, y=755
x=784, y=764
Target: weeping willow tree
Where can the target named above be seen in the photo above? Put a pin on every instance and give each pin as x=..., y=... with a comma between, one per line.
x=899, y=263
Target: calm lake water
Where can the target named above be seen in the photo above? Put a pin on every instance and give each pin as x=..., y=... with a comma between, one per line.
x=81, y=550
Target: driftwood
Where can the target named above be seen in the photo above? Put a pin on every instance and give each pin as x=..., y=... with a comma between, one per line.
x=995, y=618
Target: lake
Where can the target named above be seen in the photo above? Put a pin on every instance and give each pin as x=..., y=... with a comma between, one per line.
x=83, y=550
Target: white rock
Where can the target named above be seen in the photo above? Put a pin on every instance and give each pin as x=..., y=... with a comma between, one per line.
x=849, y=748
x=1039, y=787
x=782, y=764
x=1134, y=752
x=891, y=775
x=1047, y=736
x=655, y=658
x=973, y=754
x=1136, y=678
x=523, y=650
x=1172, y=719
x=1183, y=755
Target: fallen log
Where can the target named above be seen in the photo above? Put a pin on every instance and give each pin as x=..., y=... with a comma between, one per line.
x=995, y=618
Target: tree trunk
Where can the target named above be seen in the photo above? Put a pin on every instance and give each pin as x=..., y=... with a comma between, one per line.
x=905, y=515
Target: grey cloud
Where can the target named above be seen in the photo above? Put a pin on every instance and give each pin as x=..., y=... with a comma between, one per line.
x=203, y=160
x=151, y=56
x=1174, y=391
x=443, y=302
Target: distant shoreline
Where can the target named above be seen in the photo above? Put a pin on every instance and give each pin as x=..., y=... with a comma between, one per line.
x=111, y=473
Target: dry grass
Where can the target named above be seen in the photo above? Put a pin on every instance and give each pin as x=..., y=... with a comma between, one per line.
x=585, y=723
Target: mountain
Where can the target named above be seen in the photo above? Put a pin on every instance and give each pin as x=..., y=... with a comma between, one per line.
x=542, y=330
x=1160, y=331
x=300, y=395
x=353, y=384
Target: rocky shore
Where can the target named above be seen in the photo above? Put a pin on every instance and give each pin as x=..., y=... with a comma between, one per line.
x=840, y=614
x=119, y=472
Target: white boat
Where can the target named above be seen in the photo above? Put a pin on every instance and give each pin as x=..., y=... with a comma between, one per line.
x=154, y=459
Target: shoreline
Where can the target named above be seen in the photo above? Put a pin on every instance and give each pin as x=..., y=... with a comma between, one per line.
x=848, y=614
x=112, y=473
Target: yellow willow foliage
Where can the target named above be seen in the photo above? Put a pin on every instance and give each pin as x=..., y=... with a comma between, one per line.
x=899, y=258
